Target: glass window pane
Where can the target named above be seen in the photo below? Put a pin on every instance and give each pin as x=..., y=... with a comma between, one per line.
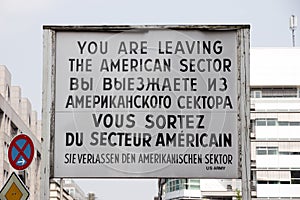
x=284, y=182
x=273, y=182
x=261, y=152
x=195, y=181
x=271, y=122
x=194, y=187
x=257, y=94
x=272, y=150
x=284, y=153
x=295, y=174
x=282, y=123
x=261, y=123
x=294, y=123
x=295, y=181
x=262, y=182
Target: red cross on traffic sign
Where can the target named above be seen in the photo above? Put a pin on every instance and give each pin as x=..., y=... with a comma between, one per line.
x=20, y=152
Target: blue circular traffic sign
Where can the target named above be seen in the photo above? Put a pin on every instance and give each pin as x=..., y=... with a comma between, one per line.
x=20, y=152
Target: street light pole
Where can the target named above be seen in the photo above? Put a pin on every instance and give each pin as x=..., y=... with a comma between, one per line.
x=293, y=26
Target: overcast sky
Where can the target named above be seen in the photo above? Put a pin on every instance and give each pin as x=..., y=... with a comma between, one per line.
x=21, y=43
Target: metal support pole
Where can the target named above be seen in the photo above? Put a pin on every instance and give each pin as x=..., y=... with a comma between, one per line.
x=61, y=189
x=160, y=185
x=293, y=26
x=47, y=62
x=293, y=37
x=245, y=114
x=246, y=170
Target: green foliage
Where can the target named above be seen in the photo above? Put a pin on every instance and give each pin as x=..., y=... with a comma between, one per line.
x=238, y=194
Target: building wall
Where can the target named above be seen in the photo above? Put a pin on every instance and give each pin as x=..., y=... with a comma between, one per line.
x=275, y=86
x=73, y=189
x=15, y=113
x=55, y=192
x=17, y=117
x=275, y=129
x=182, y=188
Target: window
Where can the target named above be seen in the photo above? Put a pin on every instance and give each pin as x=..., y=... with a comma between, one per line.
x=271, y=122
x=71, y=191
x=182, y=184
x=286, y=123
x=261, y=150
x=7, y=96
x=194, y=184
x=295, y=177
x=284, y=182
x=255, y=93
x=272, y=150
x=175, y=184
x=252, y=125
x=6, y=146
x=273, y=182
x=284, y=153
x=13, y=129
x=295, y=174
x=272, y=92
x=274, y=122
x=295, y=181
x=262, y=182
x=67, y=181
x=267, y=150
x=282, y=123
x=1, y=117
x=289, y=153
x=29, y=120
x=261, y=122
x=266, y=122
x=294, y=123
x=5, y=175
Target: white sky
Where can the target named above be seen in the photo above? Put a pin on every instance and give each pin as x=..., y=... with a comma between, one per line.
x=21, y=43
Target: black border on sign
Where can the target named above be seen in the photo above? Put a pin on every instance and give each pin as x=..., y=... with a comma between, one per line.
x=24, y=186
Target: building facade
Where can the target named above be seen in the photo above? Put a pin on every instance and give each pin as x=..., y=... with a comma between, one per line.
x=17, y=117
x=274, y=133
x=73, y=189
x=57, y=194
x=70, y=191
x=275, y=117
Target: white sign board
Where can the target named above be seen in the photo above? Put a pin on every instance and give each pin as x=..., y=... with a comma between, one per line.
x=144, y=102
